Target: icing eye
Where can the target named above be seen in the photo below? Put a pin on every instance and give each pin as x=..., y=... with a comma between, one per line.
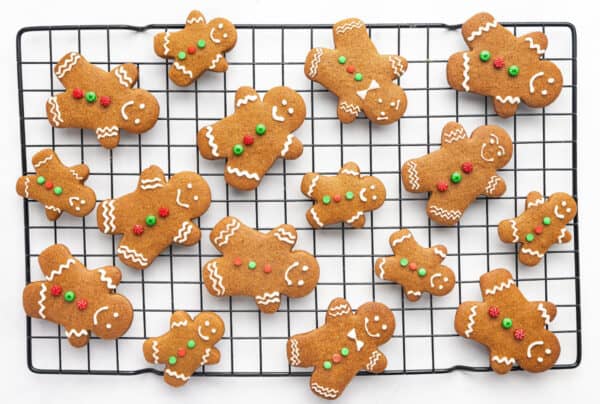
x=551, y=80
x=374, y=197
x=563, y=203
x=492, y=141
x=300, y=282
x=284, y=102
x=220, y=26
x=196, y=197
x=540, y=359
x=108, y=326
x=500, y=154
x=137, y=121
x=116, y=315
x=440, y=287
x=189, y=185
x=544, y=92
x=82, y=201
x=382, y=113
x=225, y=35
x=445, y=279
x=372, y=187
x=379, y=100
x=548, y=351
x=485, y=55
x=376, y=318
x=290, y=111
x=568, y=210
x=513, y=71
x=207, y=323
x=142, y=106
x=213, y=331
x=384, y=327
x=392, y=104
x=304, y=268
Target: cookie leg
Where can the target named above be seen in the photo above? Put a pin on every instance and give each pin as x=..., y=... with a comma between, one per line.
x=77, y=337
x=530, y=255
x=501, y=363
x=347, y=111
x=313, y=216
x=108, y=136
x=52, y=212
x=506, y=106
x=268, y=302
x=357, y=220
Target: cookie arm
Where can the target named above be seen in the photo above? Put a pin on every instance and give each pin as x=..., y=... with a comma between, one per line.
x=268, y=302
x=351, y=169
x=398, y=65
x=377, y=362
x=506, y=105
x=226, y=233
x=56, y=259
x=534, y=198
x=564, y=236
x=348, y=108
x=126, y=74
x=498, y=285
x=453, y=133
x=494, y=187
x=179, y=319
x=187, y=234
x=338, y=308
x=285, y=234
x=402, y=241
x=310, y=185
x=76, y=336
x=80, y=172
x=483, y=30
x=546, y=310
x=352, y=33
x=439, y=252
x=218, y=63
x=163, y=45
x=536, y=42
x=292, y=148
x=246, y=96
x=214, y=356
x=72, y=67
x=195, y=17
x=151, y=178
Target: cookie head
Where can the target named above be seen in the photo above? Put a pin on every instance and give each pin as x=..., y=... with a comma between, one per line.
x=191, y=192
x=222, y=33
x=565, y=207
x=544, y=84
x=541, y=352
x=371, y=191
x=287, y=107
x=495, y=145
x=139, y=111
x=210, y=327
x=442, y=280
x=378, y=322
x=384, y=105
x=301, y=275
x=112, y=318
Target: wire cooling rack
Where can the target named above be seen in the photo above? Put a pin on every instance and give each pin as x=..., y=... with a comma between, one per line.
x=544, y=159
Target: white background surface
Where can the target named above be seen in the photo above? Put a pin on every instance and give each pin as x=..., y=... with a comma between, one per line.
x=20, y=384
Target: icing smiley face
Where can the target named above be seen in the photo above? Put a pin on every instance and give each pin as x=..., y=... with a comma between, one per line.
x=372, y=191
x=441, y=281
x=565, y=209
x=189, y=193
x=209, y=327
x=495, y=148
x=383, y=105
x=108, y=320
x=138, y=113
x=539, y=353
x=377, y=322
x=222, y=32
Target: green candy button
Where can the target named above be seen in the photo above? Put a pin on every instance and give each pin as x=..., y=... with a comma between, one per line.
x=506, y=323
x=201, y=43
x=261, y=129
x=326, y=199
x=41, y=180
x=191, y=344
x=358, y=77
x=422, y=272
x=172, y=360
x=345, y=351
x=238, y=149
x=342, y=60
x=456, y=177
x=485, y=55
x=529, y=237
x=90, y=96
x=349, y=195
x=150, y=220
x=404, y=262
x=547, y=221
x=69, y=296
x=327, y=365
x=252, y=265
x=57, y=190
x=513, y=70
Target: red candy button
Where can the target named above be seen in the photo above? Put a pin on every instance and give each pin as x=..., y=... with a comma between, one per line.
x=105, y=100
x=412, y=266
x=337, y=358
x=163, y=211
x=82, y=304
x=539, y=229
x=442, y=186
x=350, y=69
x=56, y=290
x=49, y=185
x=77, y=93
x=237, y=262
x=519, y=334
x=191, y=50
x=248, y=140
x=337, y=198
x=498, y=63
x=467, y=167
x=138, y=229
x=494, y=312
x=267, y=268
x=181, y=352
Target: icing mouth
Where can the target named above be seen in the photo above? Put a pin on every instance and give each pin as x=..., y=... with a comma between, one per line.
x=204, y=337
x=100, y=310
x=76, y=202
x=383, y=117
x=372, y=335
x=124, y=108
x=178, y=198
x=276, y=117
x=362, y=196
x=212, y=36
x=532, y=81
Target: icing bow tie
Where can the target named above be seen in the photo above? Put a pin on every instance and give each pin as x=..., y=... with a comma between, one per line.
x=363, y=93
x=352, y=336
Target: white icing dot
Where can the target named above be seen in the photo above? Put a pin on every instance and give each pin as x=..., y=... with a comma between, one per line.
x=290, y=110
x=220, y=26
x=372, y=187
x=568, y=210
x=376, y=318
x=82, y=201
x=300, y=282
x=379, y=100
x=374, y=197
x=116, y=315
x=384, y=327
x=392, y=104
x=492, y=141
x=207, y=323
x=214, y=330
x=225, y=35
x=77, y=208
x=142, y=106
x=382, y=113
x=500, y=153
x=548, y=351
x=137, y=121
x=196, y=197
x=563, y=203
x=544, y=92
x=284, y=102
x=551, y=80
x=109, y=326
x=441, y=287
x=445, y=279
x=305, y=268
x=540, y=359
x=189, y=185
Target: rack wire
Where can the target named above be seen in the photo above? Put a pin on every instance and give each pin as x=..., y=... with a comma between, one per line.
x=545, y=158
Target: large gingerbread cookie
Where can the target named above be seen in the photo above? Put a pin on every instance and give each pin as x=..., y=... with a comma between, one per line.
x=82, y=301
x=347, y=343
x=512, y=327
x=542, y=224
x=58, y=187
x=503, y=66
x=359, y=75
x=198, y=47
x=187, y=345
x=344, y=197
x=157, y=214
x=416, y=268
x=463, y=168
x=262, y=266
x=258, y=133
x=101, y=101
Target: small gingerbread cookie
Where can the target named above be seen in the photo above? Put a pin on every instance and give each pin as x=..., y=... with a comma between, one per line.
x=347, y=343
x=58, y=187
x=258, y=132
x=359, y=75
x=344, y=197
x=503, y=66
x=198, y=47
x=416, y=268
x=81, y=300
x=460, y=170
x=542, y=224
x=102, y=101
x=259, y=265
x=512, y=327
x=187, y=345
x=157, y=214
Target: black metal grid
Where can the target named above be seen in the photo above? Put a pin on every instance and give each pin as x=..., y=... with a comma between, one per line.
x=427, y=308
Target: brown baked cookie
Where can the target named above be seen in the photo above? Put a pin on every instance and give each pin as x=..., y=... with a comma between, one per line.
x=512, y=327
x=417, y=269
x=187, y=345
x=542, y=224
x=347, y=343
x=460, y=170
x=81, y=300
x=504, y=66
x=102, y=101
x=344, y=197
x=58, y=187
x=198, y=47
x=359, y=75
x=255, y=135
x=157, y=214
x=259, y=265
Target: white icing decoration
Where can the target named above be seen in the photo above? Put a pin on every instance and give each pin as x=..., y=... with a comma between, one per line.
x=245, y=100
x=133, y=255
x=182, y=69
x=212, y=36
x=123, y=109
x=532, y=80
x=184, y=231
x=315, y=216
x=242, y=173
x=108, y=213
x=178, y=200
x=217, y=280
x=484, y=28
x=287, y=273
x=274, y=115
x=362, y=196
x=533, y=345
x=55, y=111
x=151, y=183
x=100, y=310
x=224, y=235
x=314, y=64
x=466, y=69
x=471, y=323
x=67, y=65
x=352, y=335
x=434, y=276
x=369, y=333
x=214, y=149
x=268, y=298
x=500, y=287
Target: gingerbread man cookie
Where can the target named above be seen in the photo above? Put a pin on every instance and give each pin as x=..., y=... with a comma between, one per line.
x=187, y=345
x=344, y=197
x=358, y=75
x=416, y=268
x=256, y=135
x=259, y=265
x=512, y=327
x=102, y=101
x=81, y=300
x=198, y=47
x=503, y=66
x=157, y=214
x=58, y=187
x=460, y=170
x=347, y=343
x=542, y=224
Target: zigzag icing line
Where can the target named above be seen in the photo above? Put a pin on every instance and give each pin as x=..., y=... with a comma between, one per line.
x=184, y=231
x=355, y=217
x=176, y=375
x=281, y=237
x=268, y=298
x=243, y=173
x=287, y=234
x=503, y=360
x=214, y=62
x=123, y=77
x=205, y=357
x=224, y=235
x=53, y=208
x=108, y=213
x=444, y=213
x=492, y=183
x=484, y=28
x=439, y=253
x=152, y=183
x=350, y=172
x=166, y=44
x=515, y=231
x=340, y=29
x=77, y=176
x=381, y=268
x=217, y=280
x=561, y=237
x=67, y=65
x=26, y=187
x=295, y=357
x=532, y=252
x=500, y=287
x=181, y=323
x=214, y=149
x=195, y=20
x=455, y=135
x=107, y=131
x=106, y=279
x=315, y=217
x=314, y=63
x=471, y=322
x=286, y=145
x=339, y=310
x=413, y=292
x=324, y=391
x=397, y=66
x=246, y=100
x=544, y=313
x=509, y=98
x=413, y=175
x=401, y=239
x=133, y=255
x=466, y=69
x=182, y=69
x=533, y=45
x=537, y=202
x=350, y=108
x=312, y=186
x=60, y=269
x=55, y=111
x=77, y=333
x=41, y=301
x=375, y=355
x=42, y=162
x=155, y=351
